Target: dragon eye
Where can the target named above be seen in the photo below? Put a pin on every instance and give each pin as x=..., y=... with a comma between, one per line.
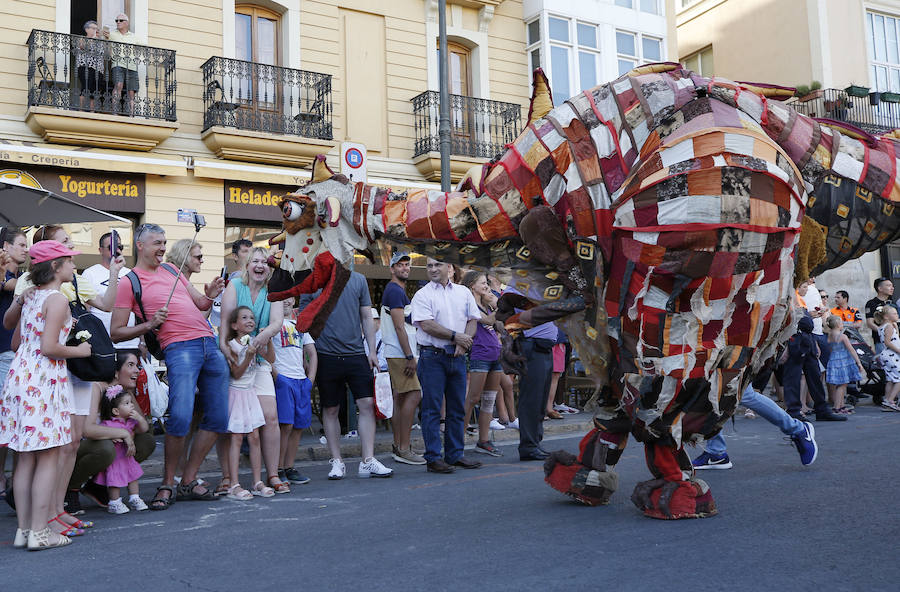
x=292, y=210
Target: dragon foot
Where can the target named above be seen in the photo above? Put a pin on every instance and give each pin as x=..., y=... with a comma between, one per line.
x=674, y=500
x=584, y=478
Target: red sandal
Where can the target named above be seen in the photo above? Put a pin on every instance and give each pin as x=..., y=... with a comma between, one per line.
x=280, y=487
x=69, y=531
x=79, y=523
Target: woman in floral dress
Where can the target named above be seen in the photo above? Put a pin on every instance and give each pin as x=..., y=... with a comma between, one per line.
x=35, y=404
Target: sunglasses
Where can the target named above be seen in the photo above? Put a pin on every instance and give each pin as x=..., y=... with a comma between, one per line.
x=121, y=20
x=198, y=257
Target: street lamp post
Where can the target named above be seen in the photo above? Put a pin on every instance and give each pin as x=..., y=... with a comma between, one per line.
x=444, y=106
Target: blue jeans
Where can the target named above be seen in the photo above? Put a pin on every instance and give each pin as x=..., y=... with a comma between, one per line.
x=765, y=408
x=443, y=377
x=197, y=369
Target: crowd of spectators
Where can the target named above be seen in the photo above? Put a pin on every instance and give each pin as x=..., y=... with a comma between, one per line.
x=241, y=377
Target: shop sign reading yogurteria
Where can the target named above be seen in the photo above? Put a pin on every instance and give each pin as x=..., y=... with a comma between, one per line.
x=252, y=201
x=113, y=192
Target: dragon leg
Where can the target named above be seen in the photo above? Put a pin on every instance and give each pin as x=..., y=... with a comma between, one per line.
x=329, y=276
x=674, y=493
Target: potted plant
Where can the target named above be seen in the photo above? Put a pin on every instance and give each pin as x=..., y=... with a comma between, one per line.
x=890, y=97
x=809, y=92
x=855, y=90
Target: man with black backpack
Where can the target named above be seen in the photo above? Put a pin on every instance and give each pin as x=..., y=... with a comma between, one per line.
x=176, y=326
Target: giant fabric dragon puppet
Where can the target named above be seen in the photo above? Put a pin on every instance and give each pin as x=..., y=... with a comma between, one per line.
x=662, y=220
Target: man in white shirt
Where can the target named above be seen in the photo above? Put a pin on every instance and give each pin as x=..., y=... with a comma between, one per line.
x=124, y=61
x=817, y=310
x=99, y=277
x=446, y=316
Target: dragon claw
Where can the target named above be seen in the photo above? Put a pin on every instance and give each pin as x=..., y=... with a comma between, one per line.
x=674, y=500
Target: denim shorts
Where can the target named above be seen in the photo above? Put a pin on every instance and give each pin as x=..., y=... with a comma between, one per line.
x=197, y=370
x=484, y=366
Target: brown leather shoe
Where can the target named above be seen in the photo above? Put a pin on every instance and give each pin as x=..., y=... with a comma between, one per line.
x=466, y=463
x=439, y=466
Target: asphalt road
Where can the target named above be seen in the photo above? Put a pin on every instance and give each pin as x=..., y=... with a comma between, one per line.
x=831, y=526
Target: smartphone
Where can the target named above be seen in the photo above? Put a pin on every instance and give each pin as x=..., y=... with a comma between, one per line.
x=199, y=219
x=113, y=245
x=224, y=274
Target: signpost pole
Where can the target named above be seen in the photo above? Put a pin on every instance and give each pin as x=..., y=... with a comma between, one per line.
x=444, y=120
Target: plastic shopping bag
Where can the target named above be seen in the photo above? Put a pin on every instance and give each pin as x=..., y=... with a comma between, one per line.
x=384, y=396
x=158, y=391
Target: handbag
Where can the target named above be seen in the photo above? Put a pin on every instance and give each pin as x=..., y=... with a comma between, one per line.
x=101, y=365
x=384, y=396
x=151, y=340
x=157, y=390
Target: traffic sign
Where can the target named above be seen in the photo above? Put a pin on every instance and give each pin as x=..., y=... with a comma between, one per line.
x=354, y=161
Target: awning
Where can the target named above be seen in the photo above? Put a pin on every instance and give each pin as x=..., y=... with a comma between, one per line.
x=21, y=206
x=91, y=158
x=254, y=173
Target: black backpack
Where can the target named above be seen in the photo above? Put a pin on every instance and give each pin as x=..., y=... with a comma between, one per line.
x=150, y=338
x=101, y=365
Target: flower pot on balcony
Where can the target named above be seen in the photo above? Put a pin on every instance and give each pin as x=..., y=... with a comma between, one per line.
x=811, y=96
x=857, y=91
x=890, y=97
x=874, y=98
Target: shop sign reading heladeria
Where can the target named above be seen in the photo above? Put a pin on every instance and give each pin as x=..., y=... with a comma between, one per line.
x=112, y=192
x=252, y=201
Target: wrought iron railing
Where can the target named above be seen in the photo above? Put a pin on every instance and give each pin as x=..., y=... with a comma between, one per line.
x=264, y=98
x=478, y=127
x=87, y=74
x=875, y=116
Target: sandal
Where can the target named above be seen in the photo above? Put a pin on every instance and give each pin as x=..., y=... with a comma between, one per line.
x=222, y=488
x=186, y=492
x=68, y=530
x=38, y=540
x=262, y=490
x=280, y=487
x=78, y=522
x=236, y=492
x=162, y=503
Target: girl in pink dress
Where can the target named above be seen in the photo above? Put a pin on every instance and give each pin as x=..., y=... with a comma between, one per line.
x=35, y=405
x=118, y=409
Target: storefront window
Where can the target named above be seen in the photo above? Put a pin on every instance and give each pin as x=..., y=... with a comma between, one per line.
x=86, y=238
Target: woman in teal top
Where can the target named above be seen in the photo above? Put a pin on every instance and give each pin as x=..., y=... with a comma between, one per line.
x=250, y=290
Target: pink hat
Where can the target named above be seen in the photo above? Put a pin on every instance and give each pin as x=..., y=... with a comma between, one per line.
x=49, y=249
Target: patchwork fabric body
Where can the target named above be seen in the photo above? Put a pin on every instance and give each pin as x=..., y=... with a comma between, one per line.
x=657, y=219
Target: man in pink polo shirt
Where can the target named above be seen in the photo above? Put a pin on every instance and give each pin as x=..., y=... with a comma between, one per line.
x=194, y=361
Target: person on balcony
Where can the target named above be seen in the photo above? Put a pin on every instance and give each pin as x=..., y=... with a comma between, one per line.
x=123, y=61
x=90, y=54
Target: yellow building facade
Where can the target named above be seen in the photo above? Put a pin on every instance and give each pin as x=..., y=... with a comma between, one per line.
x=220, y=106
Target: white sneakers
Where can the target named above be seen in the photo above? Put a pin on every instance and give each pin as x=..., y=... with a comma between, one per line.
x=337, y=469
x=496, y=425
x=117, y=506
x=137, y=504
x=514, y=424
x=372, y=467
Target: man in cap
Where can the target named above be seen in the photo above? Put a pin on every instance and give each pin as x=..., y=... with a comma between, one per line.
x=399, y=337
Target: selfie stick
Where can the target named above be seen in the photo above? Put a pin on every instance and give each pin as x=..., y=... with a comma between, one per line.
x=187, y=254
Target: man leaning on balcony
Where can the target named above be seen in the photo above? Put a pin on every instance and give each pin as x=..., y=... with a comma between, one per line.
x=123, y=61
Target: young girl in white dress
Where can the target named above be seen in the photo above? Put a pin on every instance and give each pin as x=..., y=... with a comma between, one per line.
x=245, y=414
x=36, y=402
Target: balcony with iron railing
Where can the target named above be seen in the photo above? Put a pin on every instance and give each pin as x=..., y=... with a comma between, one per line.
x=479, y=131
x=93, y=91
x=287, y=112
x=875, y=113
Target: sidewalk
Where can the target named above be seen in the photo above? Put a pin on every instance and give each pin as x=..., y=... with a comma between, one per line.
x=311, y=450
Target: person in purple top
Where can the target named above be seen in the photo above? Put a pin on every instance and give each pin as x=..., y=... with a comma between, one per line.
x=484, y=361
x=534, y=386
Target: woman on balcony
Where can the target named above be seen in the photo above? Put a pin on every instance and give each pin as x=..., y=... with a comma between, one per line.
x=90, y=55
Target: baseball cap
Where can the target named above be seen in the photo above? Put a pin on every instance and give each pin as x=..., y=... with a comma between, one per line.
x=49, y=249
x=398, y=257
